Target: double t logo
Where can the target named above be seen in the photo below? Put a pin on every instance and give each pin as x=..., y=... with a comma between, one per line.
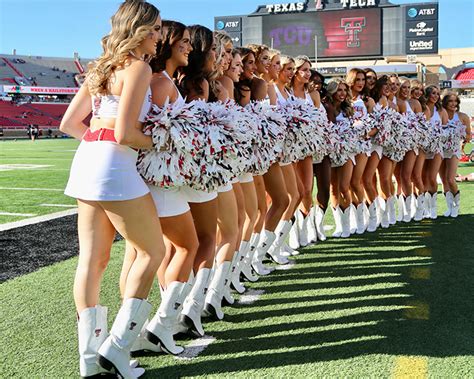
x=353, y=26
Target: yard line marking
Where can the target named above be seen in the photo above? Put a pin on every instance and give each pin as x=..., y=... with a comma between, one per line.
x=196, y=347
x=328, y=227
x=417, y=310
x=30, y=189
x=36, y=220
x=410, y=368
x=17, y=214
x=420, y=273
x=20, y=166
x=251, y=296
x=59, y=205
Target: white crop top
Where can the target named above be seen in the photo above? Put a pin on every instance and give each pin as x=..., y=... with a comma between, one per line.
x=436, y=117
x=280, y=98
x=180, y=97
x=360, y=110
x=107, y=106
x=341, y=117
x=409, y=110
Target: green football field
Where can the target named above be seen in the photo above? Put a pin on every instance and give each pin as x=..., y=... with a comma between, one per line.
x=397, y=303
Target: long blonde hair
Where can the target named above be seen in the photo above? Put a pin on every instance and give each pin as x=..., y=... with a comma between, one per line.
x=131, y=24
x=346, y=105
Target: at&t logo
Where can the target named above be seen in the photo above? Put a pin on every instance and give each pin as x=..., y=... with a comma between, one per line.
x=412, y=12
x=220, y=25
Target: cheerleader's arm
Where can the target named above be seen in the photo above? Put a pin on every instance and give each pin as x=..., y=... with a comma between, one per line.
x=72, y=122
x=467, y=123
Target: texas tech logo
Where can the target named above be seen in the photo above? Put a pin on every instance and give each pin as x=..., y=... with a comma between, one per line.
x=353, y=26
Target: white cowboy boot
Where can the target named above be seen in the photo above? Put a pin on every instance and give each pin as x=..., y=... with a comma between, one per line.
x=372, y=227
x=434, y=206
x=456, y=205
x=190, y=319
x=420, y=207
x=401, y=203
x=392, y=216
x=303, y=230
x=213, y=302
x=318, y=221
x=312, y=232
x=352, y=218
x=337, y=213
x=286, y=250
x=384, y=221
x=427, y=205
x=249, y=252
x=264, y=244
x=294, y=241
x=360, y=219
x=407, y=209
x=346, y=222
x=281, y=231
x=114, y=354
x=92, y=332
x=234, y=277
x=162, y=326
x=449, y=202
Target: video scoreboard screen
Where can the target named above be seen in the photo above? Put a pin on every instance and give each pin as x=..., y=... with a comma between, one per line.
x=354, y=33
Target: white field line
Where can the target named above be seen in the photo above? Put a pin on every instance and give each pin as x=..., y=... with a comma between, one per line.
x=17, y=214
x=196, y=347
x=59, y=205
x=20, y=166
x=30, y=189
x=36, y=220
x=328, y=227
x=251, y=296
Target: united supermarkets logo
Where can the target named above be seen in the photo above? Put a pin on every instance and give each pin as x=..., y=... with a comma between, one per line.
x=421, y=45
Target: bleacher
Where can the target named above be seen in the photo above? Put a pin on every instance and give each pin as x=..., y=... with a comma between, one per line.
x=41, y=71
x=14, y=116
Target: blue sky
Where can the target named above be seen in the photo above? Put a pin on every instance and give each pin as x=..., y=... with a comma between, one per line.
x=58, y=28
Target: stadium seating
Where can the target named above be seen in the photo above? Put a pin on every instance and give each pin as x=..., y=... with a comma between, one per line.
x=20, y=116
x=44, y=71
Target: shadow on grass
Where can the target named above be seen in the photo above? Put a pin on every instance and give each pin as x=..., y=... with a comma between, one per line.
x=391, y=300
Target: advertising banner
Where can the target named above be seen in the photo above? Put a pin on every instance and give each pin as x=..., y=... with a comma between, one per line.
x=41, y=90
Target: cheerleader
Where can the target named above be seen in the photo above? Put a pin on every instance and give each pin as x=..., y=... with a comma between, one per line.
x=246, y=197
x=240, y=72
x=434, y=158
x=274, y=182
x=370, y=79
x=304, y=168
x=110, y=193
x=408, y=107
x=203, y=205
x=281, y=85
x=279, y=251
x=416, y=91
x=171, y=204
x=363, y=105
x=339, y=109
x=458, y=128
x=227, y=210
x=321, y=167
x=380, y=93
x=394, y=87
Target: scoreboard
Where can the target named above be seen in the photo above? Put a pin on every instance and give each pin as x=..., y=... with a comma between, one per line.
x=337, y=29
